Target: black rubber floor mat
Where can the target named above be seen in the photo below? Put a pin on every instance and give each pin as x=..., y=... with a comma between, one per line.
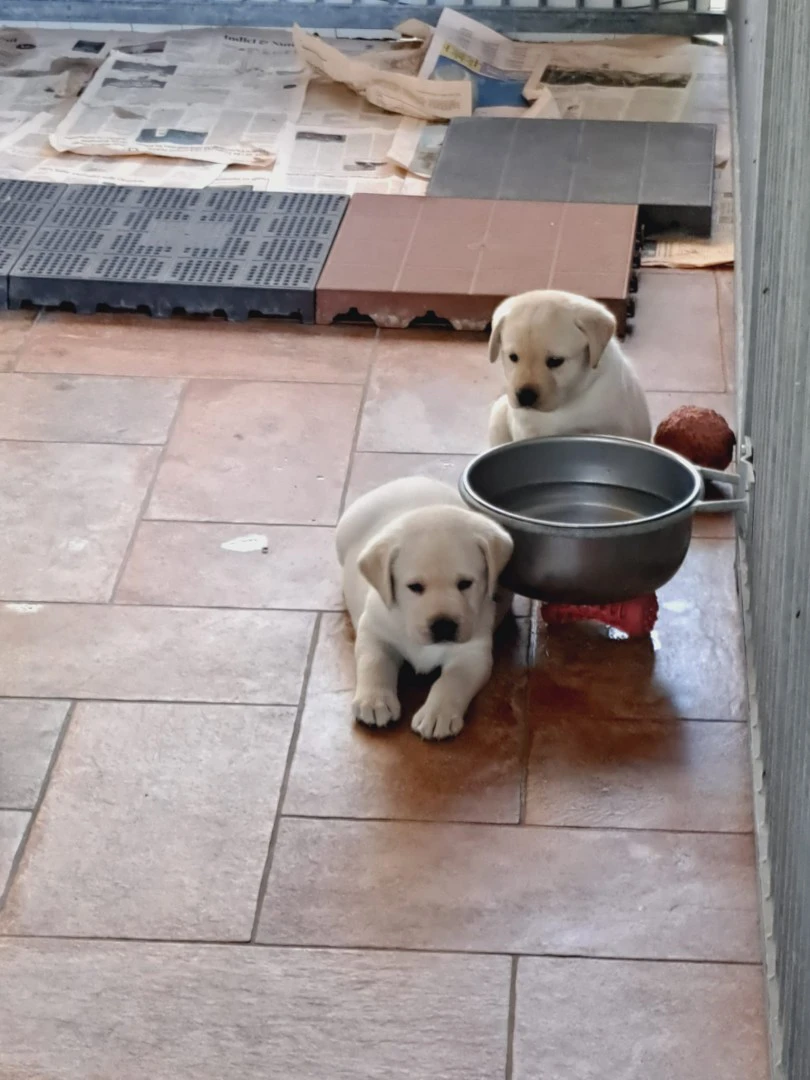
x=667, y=170
x=23, y=208
x=224, y=251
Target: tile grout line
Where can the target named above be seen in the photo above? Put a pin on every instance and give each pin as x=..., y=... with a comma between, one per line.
x=293, y=704
x=232, y=943
x=46, y=779
x=77, y=442
x=522, y=824
x=356, y=435
x=285, y=780
x=150, y=487
x=187, y=377
x=15, y=359
x=510, y=1020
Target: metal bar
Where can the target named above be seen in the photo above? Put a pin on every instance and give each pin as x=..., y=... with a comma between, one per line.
x=360, y=16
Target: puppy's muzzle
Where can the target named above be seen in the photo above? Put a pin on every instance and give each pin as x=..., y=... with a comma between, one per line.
x=527, y=397
x=443, y=629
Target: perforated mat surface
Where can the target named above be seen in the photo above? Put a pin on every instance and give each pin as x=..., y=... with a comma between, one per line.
x=23, y=208
x=233, y=252
x=667, y=170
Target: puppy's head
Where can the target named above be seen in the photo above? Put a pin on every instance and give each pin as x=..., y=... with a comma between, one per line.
x=437, y=566
x=548, y=343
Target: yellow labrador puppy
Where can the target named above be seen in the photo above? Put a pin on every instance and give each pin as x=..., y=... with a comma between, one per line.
x=565, y=371
x=419, y=576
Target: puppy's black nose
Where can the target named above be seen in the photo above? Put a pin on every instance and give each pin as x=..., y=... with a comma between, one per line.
x=527, y=397
x=444, y=629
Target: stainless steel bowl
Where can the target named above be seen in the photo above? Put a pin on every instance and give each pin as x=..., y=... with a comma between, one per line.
x=594, y=519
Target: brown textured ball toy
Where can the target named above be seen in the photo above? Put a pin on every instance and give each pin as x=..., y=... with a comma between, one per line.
x=702, y=436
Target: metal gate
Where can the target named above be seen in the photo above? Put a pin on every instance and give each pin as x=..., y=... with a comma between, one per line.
x=509, y=16
x=771, y=49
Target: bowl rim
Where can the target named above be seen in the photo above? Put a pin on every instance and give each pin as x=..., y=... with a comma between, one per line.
x=678, y=510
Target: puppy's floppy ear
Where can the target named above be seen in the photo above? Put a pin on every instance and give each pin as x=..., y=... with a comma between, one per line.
x=498, y=317
x=497, y=546
x=376, y=564
x=598, y=325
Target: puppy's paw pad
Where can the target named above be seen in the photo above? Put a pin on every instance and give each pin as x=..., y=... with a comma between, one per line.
x=376, y=709
x=437, y=723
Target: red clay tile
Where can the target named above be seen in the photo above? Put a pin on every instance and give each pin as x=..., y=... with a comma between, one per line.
x=14, y=329
x=253, y=566
x=13, y=824
x=372, y=469
x=728, y=341
x=691, y=668
x=28, y=734
x=246, y=452
x=155, y=823
x=129, y=1010
x=512, y=889
x=430, y=393
x=601, y=773
x=600, y=1019
x=72, y=408
x=110, y=651
x=202, y=348
x=675, y=344
x=397, y=258
x=342, y=769
x=69, y=512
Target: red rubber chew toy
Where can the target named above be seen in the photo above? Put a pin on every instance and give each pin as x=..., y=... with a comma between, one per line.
x=636, y=618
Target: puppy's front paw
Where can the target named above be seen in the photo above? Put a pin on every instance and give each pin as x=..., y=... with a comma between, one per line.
x=441, y=721
x=376, y=708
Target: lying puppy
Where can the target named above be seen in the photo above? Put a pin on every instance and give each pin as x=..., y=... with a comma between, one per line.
x=565, y=372
x=419, y=577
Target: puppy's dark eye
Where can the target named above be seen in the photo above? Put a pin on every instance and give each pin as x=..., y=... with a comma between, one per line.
x=513, y=356
x=417, y=587
x=555, y=361
x=464, y=584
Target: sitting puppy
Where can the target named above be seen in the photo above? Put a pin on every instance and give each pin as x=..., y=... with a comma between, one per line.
x=565, y=372
x=419, y=576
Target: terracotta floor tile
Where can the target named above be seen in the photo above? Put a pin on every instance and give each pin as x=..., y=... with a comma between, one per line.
x=13, y=824
x=430, y=393
x=28, y=734
x=370, y=470
x=247, y=452
x=342, y=769
x=202, y=348
x=187, y=563
x=675, y=343
x=677, y=1021
x=640, y=775
x=76, y=1009
x=68, y=408
x=397, y=259
x=154, y=654
x=14, y=329
x=691, y=668
x=155, y=824
x=69, y=512
x=498, y=888
x=725, y=304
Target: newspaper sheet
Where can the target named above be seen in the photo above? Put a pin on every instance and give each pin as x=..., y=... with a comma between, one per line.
x=146, y=105
x=496, y=67
x=408, y=95
x=26, y=154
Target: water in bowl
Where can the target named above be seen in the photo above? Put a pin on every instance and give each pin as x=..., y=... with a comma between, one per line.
x=571, y=503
